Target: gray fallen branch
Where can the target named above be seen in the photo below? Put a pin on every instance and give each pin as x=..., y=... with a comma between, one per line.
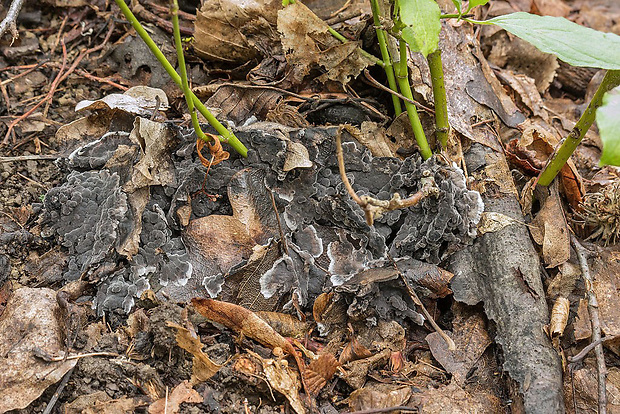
x=8, y=23
x=595, y=322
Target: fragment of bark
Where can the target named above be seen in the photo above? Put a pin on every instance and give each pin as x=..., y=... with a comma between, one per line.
x=502, y=270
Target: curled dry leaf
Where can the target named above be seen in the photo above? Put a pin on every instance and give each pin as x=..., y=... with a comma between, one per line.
x=203, y=368
x=559, y=317
x=549, y=229
x=242, y=321
x=285, y=324
x=379, y=395
x=182, y=393
x=139, y=100
x=353, y=351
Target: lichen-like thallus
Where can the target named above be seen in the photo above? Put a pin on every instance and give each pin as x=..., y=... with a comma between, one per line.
x=325, y=230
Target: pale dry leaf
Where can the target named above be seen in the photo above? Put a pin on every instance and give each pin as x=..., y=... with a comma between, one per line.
x=491, y=222
x=285, y=381
x=559, y=316
x=182, y=393
x=139, y=100
x=377, y=395
x=203, y=367
x=30, y=321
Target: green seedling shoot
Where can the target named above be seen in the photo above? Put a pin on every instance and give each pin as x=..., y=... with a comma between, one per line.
x=226, y=135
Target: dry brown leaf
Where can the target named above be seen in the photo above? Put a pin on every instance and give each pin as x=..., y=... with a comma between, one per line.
x=216, y=243
x=219, y=28
x=30, y=321
x=453, y=399
x=582, y=327
x=353, y=351
x=549, y=229
x=203, y=368
x=85, y=402
x=286, y=324
x=556, y=8
x=242, y=321
x=308, y=44
x=471, y=339
x=182, y=393
x=121, y=405
x=320, y=371
x=606, y=284
x=238, y=104
x=525, y=87
x=378, y=395
x=581, y=390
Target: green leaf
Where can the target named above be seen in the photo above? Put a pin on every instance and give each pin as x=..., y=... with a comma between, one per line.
x=421, y=18
x=608, y=121
x=475, y=3
x=457, y=4
x=574, y=44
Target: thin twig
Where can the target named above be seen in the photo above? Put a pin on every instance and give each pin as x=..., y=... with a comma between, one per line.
x=418, y=302
x=29, y=158
x=61, y=386
x=401, y=96
x=582, y=354
x=386, y=410
x=601, y=368
x=8, y=23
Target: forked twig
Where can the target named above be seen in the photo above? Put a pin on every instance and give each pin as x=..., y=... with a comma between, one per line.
x=372, y=207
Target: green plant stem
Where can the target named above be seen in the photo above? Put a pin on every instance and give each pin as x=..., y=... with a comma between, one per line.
x=385, y=55
x=439, y=96
x=610, y=81
x=174, y=10
x=402, y=76
x=227, y=136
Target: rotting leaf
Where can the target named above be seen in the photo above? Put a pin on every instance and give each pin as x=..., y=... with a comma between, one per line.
x=216, y=243
x=308, y=44
x=30, y=321
x=182, y=393
x=203, y=368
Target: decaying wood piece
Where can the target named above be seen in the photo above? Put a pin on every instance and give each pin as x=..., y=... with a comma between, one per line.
x=502, y=270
